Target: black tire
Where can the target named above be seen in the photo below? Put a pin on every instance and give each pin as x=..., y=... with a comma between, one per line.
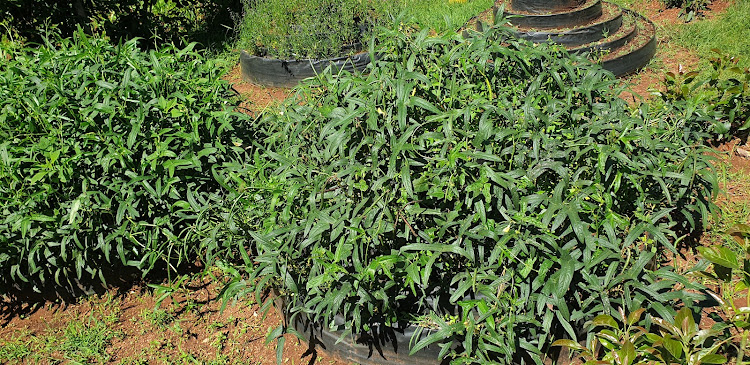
x=288, y=73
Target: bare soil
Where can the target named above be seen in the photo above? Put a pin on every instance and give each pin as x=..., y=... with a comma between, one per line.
x=187, y=327
x=190, y=327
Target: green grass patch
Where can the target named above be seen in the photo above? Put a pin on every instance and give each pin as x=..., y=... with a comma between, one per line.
x=443, y=15
x=728, y=32
x=85, y=342
x=14, y=350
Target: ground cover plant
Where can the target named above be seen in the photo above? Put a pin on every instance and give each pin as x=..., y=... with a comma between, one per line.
x=503, y=184
x=110, y=157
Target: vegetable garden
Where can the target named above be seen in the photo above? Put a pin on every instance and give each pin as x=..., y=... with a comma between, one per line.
x=469, y=197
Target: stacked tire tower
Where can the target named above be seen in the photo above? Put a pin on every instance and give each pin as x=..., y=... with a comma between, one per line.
x=621, y=40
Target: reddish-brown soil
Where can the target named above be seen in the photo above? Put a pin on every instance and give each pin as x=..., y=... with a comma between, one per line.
x=258, y=97
x=190, y=325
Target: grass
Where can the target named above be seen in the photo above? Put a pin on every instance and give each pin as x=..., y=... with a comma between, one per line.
x=84, y=343
x=734, y=203
x=14, y=349
x=443, y=15
x=728, y=32
x=74, y=337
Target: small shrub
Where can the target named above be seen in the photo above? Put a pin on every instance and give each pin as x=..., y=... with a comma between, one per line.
x=111, y=157
x=719, y=99
x=690, y=8
x=503, y=183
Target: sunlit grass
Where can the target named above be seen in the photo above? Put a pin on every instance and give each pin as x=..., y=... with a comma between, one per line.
x=443, y=15
x=729, y=32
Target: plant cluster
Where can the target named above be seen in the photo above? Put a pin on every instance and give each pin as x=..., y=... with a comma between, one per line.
x=731, y=274
x=502, y=185
x=112, y=157
x=300, y=29
x=690, y=8
x=624, y=342
x=719, y=99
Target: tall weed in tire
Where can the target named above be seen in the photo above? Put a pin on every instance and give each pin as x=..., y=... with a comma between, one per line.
x=501, y=183
x=300, y=29
x=112, y=157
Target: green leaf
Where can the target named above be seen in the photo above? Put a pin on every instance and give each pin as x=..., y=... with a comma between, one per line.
x=573, y=345
x=74, y=210
x=721, y=256
x=713, y=359
x=565, y=274
x=627, y=353
x=604, y=320
x=673, y=347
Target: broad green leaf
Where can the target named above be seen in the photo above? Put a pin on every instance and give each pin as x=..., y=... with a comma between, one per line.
x=721, y=256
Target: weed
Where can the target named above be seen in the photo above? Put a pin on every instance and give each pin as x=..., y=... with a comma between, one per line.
x=84, y=342
x=14, y=350
x=157, y=317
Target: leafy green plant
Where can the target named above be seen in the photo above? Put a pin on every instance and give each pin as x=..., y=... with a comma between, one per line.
x=161, y=22
x=720, y=99
x=112, y=157
x=302, y=29
x=678, y=342
x=682, y=342
x=498, y=181
x=690, y=8
x=732, y=273
x=619, y=345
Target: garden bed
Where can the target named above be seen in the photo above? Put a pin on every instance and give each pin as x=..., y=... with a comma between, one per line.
x=228, y=337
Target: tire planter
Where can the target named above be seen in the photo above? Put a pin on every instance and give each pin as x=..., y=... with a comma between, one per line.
x=576, y=36
x=586, y=13
x=638, y=57
x=288, y=73
x=382, y=345
x=627, y=39
x=542, y=6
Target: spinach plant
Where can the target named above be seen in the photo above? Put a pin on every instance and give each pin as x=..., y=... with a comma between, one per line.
x=112, y=157
x=503, y=184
